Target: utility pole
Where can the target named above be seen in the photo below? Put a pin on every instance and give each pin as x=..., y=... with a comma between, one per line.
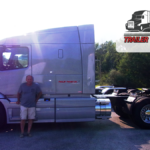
x=100, y=69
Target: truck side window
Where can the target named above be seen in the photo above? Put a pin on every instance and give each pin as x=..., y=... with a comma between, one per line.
x=15, y=58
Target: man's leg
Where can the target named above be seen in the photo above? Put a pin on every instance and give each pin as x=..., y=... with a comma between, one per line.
x=31, y=117
x=22, y=124
x=23, y=116
x=30, y=121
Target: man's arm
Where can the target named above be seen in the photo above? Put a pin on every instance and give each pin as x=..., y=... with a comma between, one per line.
x=18, y=96
x=38, y=96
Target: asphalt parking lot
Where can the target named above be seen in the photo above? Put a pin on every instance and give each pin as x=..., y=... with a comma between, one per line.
x=112, y=134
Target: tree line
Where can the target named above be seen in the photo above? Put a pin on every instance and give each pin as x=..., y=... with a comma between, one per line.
x=121, y=69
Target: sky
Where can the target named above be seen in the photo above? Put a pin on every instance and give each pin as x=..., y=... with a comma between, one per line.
x=109, y=17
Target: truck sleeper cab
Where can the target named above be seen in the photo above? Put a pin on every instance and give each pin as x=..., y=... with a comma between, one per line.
x=62, y=62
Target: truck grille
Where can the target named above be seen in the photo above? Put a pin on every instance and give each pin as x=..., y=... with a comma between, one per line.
x=130, y=24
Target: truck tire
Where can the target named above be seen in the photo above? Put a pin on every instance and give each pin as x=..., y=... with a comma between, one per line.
x=2, y=116
x=141, y=113
x=118, y=110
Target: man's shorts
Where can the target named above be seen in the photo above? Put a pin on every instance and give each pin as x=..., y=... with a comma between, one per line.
x=27, y=112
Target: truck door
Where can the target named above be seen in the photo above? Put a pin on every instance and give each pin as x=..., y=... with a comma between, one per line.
x=15, y=64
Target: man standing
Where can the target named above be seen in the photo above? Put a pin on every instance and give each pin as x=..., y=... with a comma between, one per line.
x=28, y=95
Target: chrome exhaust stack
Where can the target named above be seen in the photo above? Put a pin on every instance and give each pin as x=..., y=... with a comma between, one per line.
x=103, y=108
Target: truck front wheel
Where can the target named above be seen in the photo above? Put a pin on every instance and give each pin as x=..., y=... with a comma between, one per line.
x=141, y=113
x=2, y=116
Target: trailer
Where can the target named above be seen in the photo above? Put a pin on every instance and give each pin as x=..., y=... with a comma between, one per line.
x=62, y=62
x=134, y=104
x=140, y=21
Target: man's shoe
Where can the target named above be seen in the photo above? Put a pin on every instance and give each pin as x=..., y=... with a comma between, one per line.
x=29, y=134
x=21, y=135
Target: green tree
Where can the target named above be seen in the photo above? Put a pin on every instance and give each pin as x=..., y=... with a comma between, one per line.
x=116, y=78
x=135, y=67
x=107, y=59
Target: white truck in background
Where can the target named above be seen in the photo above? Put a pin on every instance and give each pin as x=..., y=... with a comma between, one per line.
x=62, y=62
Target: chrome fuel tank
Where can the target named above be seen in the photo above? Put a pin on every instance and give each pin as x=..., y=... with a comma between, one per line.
x=103, y=108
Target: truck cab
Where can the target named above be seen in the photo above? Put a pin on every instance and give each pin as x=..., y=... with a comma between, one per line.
x=140, y=21
x=62, y=62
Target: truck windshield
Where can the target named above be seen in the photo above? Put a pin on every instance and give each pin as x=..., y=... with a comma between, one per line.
x=137, y=16
x=133, y=16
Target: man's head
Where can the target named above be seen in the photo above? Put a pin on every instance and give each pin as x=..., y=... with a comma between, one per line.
x=29, y=79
